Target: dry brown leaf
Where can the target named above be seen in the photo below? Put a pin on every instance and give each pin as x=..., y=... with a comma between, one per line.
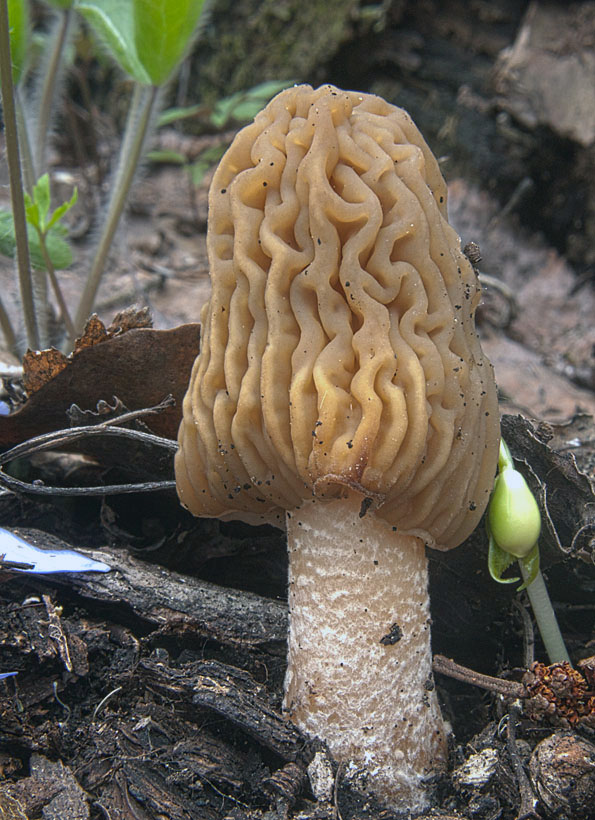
x=130, y=318
x=41, y=366
x=93, y=334
x=140, y=367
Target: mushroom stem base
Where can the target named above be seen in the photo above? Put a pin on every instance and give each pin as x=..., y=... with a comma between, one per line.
x=359, y=666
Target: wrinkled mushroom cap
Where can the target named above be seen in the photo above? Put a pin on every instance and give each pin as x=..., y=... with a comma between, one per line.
x=339, y=347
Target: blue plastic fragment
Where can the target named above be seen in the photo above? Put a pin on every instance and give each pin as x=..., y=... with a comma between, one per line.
x=7, y=675
x=14, y=548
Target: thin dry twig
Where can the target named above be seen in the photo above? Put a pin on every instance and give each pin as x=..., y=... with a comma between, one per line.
x=68, y=436
x=508, y=688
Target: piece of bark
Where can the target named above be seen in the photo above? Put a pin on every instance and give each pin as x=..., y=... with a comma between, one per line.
x=172, y=601
x=546, y=76
x=233, y=694
x=70, y=802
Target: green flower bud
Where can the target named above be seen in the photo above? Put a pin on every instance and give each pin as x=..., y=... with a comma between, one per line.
x=513, y=514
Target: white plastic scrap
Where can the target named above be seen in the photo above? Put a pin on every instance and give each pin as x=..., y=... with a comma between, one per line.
x=15, y=549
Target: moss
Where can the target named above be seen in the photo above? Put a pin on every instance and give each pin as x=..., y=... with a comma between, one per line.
x=246, y=43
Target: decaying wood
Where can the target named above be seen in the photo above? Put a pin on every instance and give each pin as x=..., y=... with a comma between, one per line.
x=233, y=694
x=170, y=601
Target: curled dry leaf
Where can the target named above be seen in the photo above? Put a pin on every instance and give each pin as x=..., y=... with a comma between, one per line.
x=141, y=367
x=41, y=366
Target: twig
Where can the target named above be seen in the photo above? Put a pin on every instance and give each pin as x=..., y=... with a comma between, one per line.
x=108, y=489
x=107, y=427
x=528, y=634
x=448, y=667
x=67, y=436
x=528, y=799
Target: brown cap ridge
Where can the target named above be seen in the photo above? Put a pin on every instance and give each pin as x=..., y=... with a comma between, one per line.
x=338, y=346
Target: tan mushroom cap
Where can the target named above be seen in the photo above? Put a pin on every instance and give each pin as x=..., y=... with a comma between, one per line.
x=339, y=346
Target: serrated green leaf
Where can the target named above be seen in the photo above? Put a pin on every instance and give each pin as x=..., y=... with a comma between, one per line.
x=498, y=562
x=62, y=209
x=32, y=211
x=113, y=23
x=58, y=248
x=41, y=197
x=20, y=35
x=162, y=32
x=7, y=240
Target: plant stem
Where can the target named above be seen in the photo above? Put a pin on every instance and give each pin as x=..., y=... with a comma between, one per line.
x=25, y=144
x=545, y=618
x=16, y=185
x=7, y=328
x=68, y=323
x=139, y=117
x=48, y=89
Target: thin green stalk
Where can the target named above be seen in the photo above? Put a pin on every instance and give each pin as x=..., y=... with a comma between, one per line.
x=7, y=328
x=545, y=618
x=48, y=90
x=16, y=185
x=68, y=323
x=139, y=118
x=25, y=144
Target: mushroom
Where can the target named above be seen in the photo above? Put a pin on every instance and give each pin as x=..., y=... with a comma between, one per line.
x=341, y=383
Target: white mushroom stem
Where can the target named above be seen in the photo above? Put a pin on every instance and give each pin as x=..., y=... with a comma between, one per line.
x=360, y=666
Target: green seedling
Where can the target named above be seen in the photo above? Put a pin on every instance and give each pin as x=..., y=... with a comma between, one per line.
x=37, y=209
x=229, y=111
x=148, y=39
x=514, y=525
x=26, y=157
x=236, y=109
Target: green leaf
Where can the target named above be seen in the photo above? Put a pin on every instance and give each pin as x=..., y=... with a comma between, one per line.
x=41, y=197
x=58, y=248
x=7, y=240
x=20, y=35
x=498, y=562
x=32, y=212
x=204, y=162
x=513, y=514
x=530, y=564
x=113, y=23
x=504, y=457
x=245, y=105
x=62, y=209
x=61, y=4
x=170, y=157
x=177, y=114
x=162, y=32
